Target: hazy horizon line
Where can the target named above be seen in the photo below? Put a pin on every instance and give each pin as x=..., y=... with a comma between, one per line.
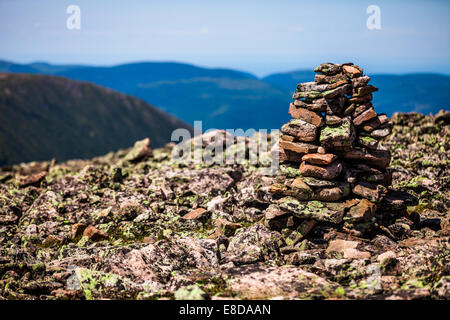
x=281, y=71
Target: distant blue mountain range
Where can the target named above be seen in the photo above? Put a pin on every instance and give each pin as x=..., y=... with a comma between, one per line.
x=224, y=98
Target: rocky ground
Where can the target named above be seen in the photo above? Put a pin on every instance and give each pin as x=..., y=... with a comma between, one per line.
x=135, y=225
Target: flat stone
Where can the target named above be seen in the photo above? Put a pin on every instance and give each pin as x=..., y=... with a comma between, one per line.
x=342, y=190
x=340, y=137
x=372, y=192
x=352, y=71
x=381, y=133
x=195, y=214
x=365, y=116
x=318, y=105
x=377, y=158
x=298, y=183
x=307, y=95
x=361, y=108
x=328, y=69
x=363, y=211
x=300, y=129
x=317, y=210
x=286, y=137
x=321, y=150
x=301, y=192
x=32, y=180
x=360, y=81
x=318, y=158
x=287, y=155
x=329, y=172
x=348, y=249
x=323, y=78
x=339, y=91
x=361, y=99
x=305, y=115
x=312, y=86
x=298, y=147
x=319, y=183
x=371, y=125
x=368, y=142
x=362, y=91
x=333, y=120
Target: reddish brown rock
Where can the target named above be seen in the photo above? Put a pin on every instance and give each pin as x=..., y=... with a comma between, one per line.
x=300, y=129
x=95, y=234
x=348, y=249
x=32, y=180
x=372, y=192
x=365, y=116
x=361, y=81
x=298, y=147
x=286, y=137
x=328, y=69
x=333, y=120
x=362, y=91
x=306, y=115
x=342, y=190
x=78, y=229
x=377, y=158
x=352, y=71
x=318, y=105
x=195, y=214
x=363, y=211
x=318, y=158
x=361, y=108
x=371, y=125
x=328, y=172
x=361, y=99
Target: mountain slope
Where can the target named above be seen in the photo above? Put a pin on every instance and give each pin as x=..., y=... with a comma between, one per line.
x=224, y=98
x=44, y=117
x=221, y=98
x=421, y=92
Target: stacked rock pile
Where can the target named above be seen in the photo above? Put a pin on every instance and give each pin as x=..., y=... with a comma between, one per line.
x=334, y=139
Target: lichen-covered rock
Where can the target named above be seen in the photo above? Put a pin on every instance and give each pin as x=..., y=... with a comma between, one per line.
x=340, y=137
x=321, y=211
x=254, y=244
x=140, y=151
x=301, y=130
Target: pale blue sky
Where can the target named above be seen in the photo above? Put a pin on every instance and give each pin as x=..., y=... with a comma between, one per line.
x=252, y=35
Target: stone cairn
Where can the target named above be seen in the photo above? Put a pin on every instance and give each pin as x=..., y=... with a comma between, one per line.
x=334, y=141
